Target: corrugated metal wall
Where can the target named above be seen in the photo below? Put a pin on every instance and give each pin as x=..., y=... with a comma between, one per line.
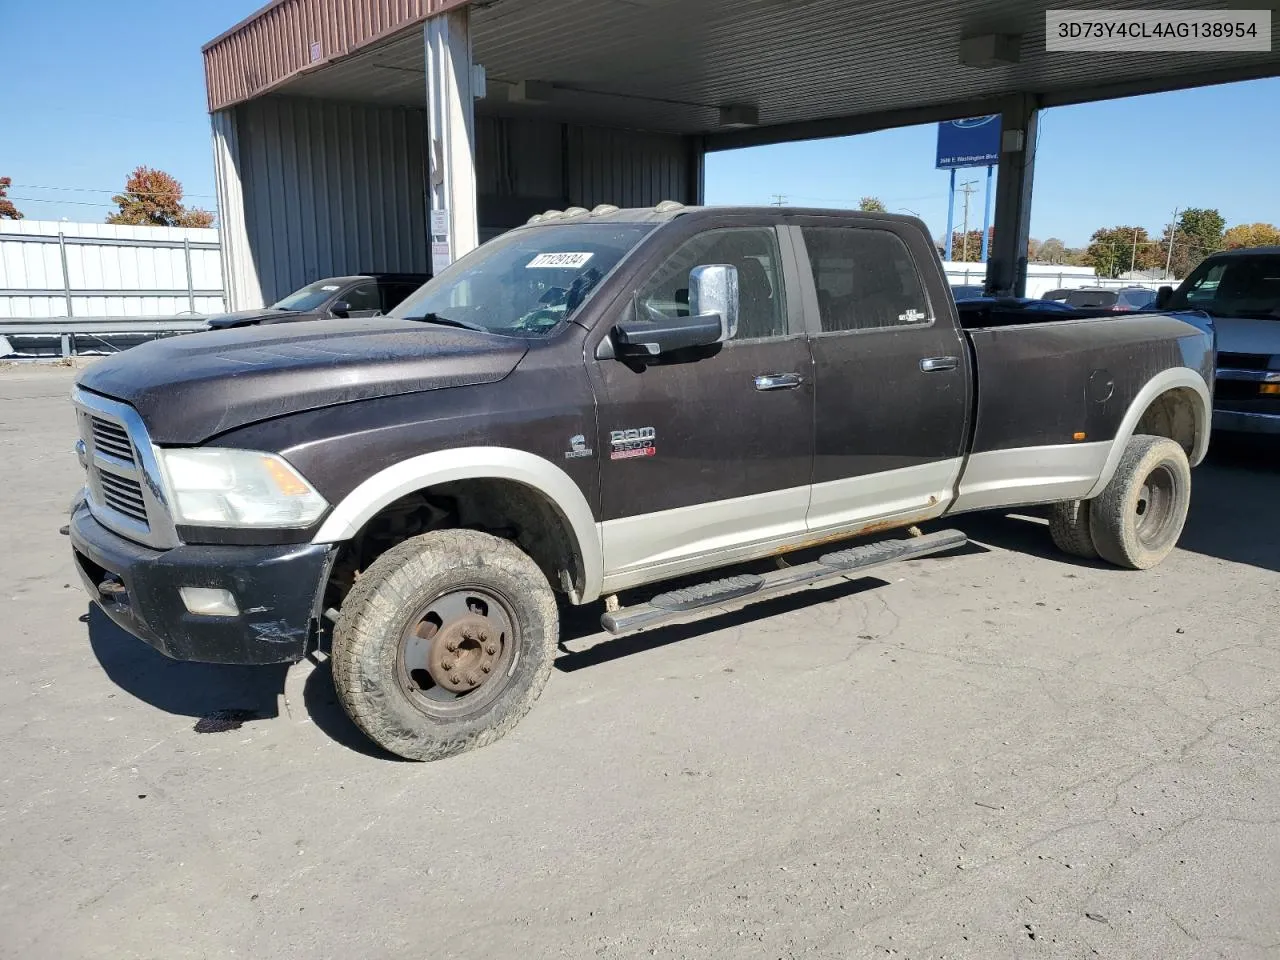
x=527, y=166
x=330, y=189
x=111, y=271
x=327, y=188
x=626, y=168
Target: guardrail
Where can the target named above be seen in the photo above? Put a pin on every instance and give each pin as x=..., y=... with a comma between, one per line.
x=63, y=336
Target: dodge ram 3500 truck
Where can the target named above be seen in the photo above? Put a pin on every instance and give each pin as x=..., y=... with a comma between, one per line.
x=594, y=402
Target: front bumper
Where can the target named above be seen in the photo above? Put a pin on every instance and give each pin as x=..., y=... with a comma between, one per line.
x=279, y=590
x=1239, y=421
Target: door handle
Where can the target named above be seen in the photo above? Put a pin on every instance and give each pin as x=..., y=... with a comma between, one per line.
x=778, y=381
x=933, y=364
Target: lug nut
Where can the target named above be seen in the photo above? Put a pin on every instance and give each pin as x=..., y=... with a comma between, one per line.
x=472, y=680
x=485, y=667
x=491, y=649
x=454, y=678
x=452, y=646
x=447, y=664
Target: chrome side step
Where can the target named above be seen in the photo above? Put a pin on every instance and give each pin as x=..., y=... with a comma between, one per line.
x=679, y=603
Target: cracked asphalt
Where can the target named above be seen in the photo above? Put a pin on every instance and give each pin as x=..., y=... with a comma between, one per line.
x=995, y=753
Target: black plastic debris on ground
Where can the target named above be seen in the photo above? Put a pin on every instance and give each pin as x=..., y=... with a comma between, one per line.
x=220, y=721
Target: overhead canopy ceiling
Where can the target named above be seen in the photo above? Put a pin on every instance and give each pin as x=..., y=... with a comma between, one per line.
x=809, y=67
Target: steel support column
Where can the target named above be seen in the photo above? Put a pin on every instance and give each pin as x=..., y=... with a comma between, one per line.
x=240, y=280
x=1007, y=266
x=453, y=224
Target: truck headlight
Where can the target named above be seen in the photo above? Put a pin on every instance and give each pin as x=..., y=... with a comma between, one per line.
x=215, y=487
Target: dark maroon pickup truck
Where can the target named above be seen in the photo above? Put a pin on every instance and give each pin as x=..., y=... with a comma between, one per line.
x=595, y=403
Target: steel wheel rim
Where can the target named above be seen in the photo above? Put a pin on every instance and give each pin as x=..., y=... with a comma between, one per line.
x=1154, y=508
x=433, y=677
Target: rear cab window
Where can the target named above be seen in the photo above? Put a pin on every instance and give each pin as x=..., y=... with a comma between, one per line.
x=866, y=279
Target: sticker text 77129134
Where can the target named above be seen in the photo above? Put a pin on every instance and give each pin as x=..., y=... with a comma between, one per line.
x=558, y=261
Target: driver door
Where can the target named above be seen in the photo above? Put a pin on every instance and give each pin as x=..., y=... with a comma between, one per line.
x=706, y=456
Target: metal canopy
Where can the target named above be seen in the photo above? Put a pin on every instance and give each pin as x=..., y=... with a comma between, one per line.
x=811, y=67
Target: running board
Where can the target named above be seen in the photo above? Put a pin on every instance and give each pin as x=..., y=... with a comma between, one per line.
x=679, y=603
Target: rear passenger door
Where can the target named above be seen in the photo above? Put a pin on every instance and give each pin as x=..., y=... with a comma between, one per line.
x=892, y=373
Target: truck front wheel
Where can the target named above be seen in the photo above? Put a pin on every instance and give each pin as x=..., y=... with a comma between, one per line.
x=1138, y=517
x=444, y=643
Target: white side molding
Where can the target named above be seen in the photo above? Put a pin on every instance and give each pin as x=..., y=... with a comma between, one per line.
x=473, y=463
x=1162, y=382
x=1009, y=478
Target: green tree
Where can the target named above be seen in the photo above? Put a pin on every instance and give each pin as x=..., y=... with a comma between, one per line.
x=1199, y=233
x=1053, y=250
x=1115, y=250
x=1251, y=235
x=7, y=210
x=152, y=198
x=872, y=205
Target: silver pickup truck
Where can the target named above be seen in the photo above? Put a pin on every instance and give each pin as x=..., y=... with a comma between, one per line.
x=1240, y=290
x=593, y=404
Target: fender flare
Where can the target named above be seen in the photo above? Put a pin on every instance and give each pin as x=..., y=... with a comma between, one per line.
x=475, y=463
x=1171, y=379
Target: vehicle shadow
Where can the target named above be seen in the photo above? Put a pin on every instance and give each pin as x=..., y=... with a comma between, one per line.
x=322, y=706
x=211, y=693
x=1235, y=502
x=1234, y=513
x=582, y=622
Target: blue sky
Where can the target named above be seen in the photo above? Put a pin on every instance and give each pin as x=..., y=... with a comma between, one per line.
x=92, y=89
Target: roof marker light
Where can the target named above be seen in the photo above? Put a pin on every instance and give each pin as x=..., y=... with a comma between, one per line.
x=667, y=206
x=604, y=208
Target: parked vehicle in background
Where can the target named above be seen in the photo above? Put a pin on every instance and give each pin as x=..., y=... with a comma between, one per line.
x=967, y=291
x=594, y=403
x=1030, y=304
x=1120, y=300
x=365, y=295
x=1240, y=289
x=1134, y=298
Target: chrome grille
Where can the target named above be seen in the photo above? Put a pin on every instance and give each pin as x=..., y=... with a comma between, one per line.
x=123, y=494
x=123, y=480
x=111, y=439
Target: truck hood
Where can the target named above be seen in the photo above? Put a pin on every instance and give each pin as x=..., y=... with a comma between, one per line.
x=193, y=387
x=1248, y=335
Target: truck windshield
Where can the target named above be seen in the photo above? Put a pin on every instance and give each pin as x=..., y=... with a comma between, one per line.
x=309, y=297
x=525, y=282
x=1232, y=286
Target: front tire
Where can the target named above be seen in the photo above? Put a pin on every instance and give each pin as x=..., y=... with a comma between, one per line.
x=444, y=644
x=1137, y=519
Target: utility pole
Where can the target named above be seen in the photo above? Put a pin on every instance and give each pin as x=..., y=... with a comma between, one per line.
x=779, y=199
x=1133, y=255
x=966, y=188
x=1173, y=229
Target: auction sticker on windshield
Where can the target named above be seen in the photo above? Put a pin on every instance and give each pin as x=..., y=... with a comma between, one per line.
x=573, y=261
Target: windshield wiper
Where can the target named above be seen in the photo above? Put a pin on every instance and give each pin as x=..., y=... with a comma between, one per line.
x=447, y=322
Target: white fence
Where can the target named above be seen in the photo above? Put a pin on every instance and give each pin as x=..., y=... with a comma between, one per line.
x=1043, y=277
x=52, y=269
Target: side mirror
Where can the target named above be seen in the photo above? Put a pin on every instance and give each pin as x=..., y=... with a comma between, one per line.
x=713, y=292
x=1163, y=296
x=341, y=309
x=713, y=308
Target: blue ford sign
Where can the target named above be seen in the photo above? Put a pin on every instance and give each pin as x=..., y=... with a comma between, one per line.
x=974, y=142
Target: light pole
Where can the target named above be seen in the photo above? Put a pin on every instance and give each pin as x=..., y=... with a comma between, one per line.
x=914, y=213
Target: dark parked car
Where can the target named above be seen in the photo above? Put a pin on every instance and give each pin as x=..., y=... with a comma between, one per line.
x=1019, y=303
x=596, y=403
x=1120, y=300
x=365, y=295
